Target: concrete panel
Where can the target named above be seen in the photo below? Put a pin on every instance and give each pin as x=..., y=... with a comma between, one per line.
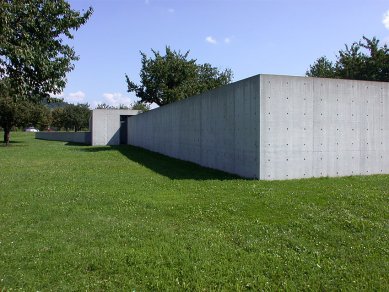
x=217, y=129
x=75, y=137
x=286, y=140
x=106, y=125
x=312, y=127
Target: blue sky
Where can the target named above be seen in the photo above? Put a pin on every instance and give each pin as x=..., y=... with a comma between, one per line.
x=248, y=36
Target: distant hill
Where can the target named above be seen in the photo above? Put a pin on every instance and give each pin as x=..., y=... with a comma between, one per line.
x=53, y=105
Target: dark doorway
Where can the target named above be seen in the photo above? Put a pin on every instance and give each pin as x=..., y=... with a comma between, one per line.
x=123, y=129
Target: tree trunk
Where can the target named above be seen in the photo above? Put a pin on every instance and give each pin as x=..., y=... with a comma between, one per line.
x=6, y=136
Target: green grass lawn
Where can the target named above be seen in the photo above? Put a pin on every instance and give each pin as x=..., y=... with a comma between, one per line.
x=78, y=217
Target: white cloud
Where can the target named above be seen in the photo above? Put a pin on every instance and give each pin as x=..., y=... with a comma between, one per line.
x=56, y=95
x=116, y=99
x=385, y=20
x=75, y=97
x=214, y=41
x=211, y=40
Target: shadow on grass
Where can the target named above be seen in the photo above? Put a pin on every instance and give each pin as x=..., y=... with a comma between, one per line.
x=14, y=144
x=75, y=144
x=161, y=164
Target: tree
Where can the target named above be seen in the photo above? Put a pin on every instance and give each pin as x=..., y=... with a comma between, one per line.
x=140, y=106
x=322, y=68
x=11, y=114
x=37, y=115
x=171, y=77
x=20, y=114
x=104, y=106
x=363, y=60
x=57, y=117
x=34, y=58
x=75, y=117
x=123, y=107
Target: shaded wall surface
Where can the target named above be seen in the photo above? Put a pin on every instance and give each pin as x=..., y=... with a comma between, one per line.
x=275, y=127
x=217, y=129
x=74, y=137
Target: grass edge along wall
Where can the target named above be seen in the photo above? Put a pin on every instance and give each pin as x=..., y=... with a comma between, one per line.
x=275, y=127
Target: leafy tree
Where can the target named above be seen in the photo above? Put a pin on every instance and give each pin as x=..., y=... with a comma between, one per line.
x=20, y=114
x=171, y=77
x=37, y=115
x=34, y=58
x=363, y=60
x=56, y=117
x=123, y=106
x=75, y=117
x=104, y=106
x=322, y=68
x=11, y=114
x=140, y=106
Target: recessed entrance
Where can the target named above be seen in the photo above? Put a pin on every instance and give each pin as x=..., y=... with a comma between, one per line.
x=123, y=129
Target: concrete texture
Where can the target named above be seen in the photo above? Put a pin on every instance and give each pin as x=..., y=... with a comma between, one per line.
x=217, y=129
x=313, y=127
x=105, y=125
x=275, y=127
x=74, y=137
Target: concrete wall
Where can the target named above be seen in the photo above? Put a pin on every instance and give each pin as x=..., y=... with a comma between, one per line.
x=105, y=125
x=217, y=129
x=313, y=127
x=75, y=137
x=276, y=127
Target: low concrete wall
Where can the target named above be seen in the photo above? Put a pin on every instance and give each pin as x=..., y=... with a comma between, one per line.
x=75, y=137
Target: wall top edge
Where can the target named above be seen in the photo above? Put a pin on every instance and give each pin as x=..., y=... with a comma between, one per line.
x=125, y=111
x=261, y=77
x=318, y=78
x=255, y=78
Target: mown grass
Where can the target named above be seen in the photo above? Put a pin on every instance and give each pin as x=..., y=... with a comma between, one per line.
x=76, y=217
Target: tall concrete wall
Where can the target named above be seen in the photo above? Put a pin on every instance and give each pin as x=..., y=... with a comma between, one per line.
x=75, y=137
x=105, y=125
x=217, y=129
x=313, y=127
x=276, y=127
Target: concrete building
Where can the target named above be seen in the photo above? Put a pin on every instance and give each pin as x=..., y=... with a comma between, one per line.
x=109, y=126
x=275, y=127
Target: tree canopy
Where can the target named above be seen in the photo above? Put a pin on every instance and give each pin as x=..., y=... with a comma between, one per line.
x=71, y=117
x=33, y=54
x=20, y=114
x=34, y=58
x=363, y=60
x=139, y=106
x=173, y=76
